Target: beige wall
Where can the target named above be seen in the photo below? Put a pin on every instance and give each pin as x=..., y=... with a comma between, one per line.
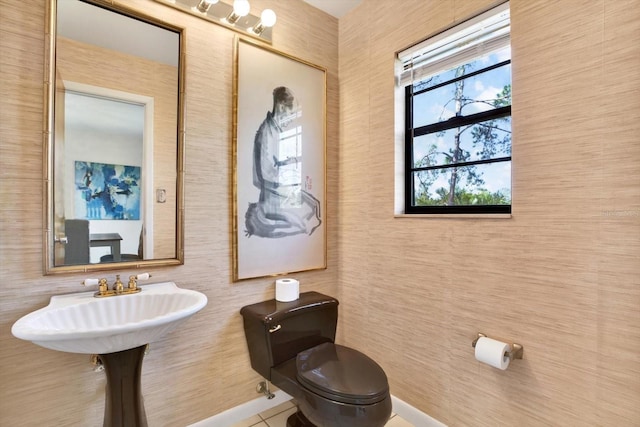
x=562, y=276
x=203, y=368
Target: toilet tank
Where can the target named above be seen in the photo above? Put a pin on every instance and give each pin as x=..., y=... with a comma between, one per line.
x=277, y=331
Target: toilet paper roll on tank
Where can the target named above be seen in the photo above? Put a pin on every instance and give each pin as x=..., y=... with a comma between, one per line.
x=287, y=289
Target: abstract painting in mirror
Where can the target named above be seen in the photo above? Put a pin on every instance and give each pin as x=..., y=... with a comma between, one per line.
x=114, y=140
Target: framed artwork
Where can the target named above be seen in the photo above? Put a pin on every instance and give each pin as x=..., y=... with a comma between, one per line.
x=106, y=191
x=279, y=132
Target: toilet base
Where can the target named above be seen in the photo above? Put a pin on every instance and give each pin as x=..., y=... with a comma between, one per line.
x=299, y=420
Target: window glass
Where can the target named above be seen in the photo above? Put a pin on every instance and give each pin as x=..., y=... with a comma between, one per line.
x=483, y=184
x=476, y=141
x=458, y=124
x=481, y=92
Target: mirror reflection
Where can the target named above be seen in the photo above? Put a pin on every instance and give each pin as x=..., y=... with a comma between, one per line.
x=115, y=150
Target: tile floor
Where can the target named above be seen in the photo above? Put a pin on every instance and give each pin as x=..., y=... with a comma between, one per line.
x=277, y=417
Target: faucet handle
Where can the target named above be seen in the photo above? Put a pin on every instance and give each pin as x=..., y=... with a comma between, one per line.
x=90, y=282
x=133, y=280
x=103, y=287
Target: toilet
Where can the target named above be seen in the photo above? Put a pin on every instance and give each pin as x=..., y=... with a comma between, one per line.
x=291, y=344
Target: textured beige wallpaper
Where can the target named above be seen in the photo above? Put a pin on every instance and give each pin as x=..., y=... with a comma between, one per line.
x=203, y=367
x=562, y=276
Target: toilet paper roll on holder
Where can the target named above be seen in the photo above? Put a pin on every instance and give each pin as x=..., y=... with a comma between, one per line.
x=516, y=349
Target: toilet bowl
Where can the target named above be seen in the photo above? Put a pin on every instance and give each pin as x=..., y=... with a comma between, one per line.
x=292, y=345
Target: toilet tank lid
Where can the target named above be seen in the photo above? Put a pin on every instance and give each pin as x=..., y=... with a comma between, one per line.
x=272, y=311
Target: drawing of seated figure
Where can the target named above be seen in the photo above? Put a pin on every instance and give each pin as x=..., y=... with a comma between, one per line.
x=284, y=207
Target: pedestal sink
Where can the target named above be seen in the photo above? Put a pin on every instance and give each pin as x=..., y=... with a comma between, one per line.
x=117, y=329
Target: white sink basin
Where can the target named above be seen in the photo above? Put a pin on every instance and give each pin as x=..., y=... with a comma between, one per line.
x=80, y=323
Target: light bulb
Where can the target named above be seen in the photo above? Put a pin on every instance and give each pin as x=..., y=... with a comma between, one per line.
x=268, y=18
x=241, y=7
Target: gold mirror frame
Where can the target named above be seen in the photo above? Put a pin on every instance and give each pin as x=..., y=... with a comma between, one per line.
x=49, y=146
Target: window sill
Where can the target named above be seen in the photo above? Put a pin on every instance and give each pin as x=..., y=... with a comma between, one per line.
x=454, y=216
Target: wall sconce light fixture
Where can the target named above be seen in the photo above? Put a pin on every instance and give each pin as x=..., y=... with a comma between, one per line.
x=267, y=20
x=235, y=17
x=240, y=8
x=204, y=5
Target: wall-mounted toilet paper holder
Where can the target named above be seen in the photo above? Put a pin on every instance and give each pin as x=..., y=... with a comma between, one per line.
x=516, y=349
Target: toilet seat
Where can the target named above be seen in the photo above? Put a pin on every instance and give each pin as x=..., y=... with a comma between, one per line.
x=341, y=374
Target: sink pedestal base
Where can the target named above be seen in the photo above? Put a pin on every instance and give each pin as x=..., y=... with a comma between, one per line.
x=124, y=406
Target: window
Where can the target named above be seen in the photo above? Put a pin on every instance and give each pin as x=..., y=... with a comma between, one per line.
x=457, y=99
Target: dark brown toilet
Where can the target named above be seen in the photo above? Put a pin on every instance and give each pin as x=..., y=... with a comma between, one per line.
x=292, y=345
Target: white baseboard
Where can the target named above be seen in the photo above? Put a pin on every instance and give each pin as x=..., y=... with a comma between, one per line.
x=247, y=410
x=413, y=415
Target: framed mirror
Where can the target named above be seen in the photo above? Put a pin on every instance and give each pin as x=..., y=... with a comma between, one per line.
x=114, y=139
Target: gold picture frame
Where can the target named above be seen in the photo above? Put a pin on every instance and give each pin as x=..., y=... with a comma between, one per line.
x=279, y=163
